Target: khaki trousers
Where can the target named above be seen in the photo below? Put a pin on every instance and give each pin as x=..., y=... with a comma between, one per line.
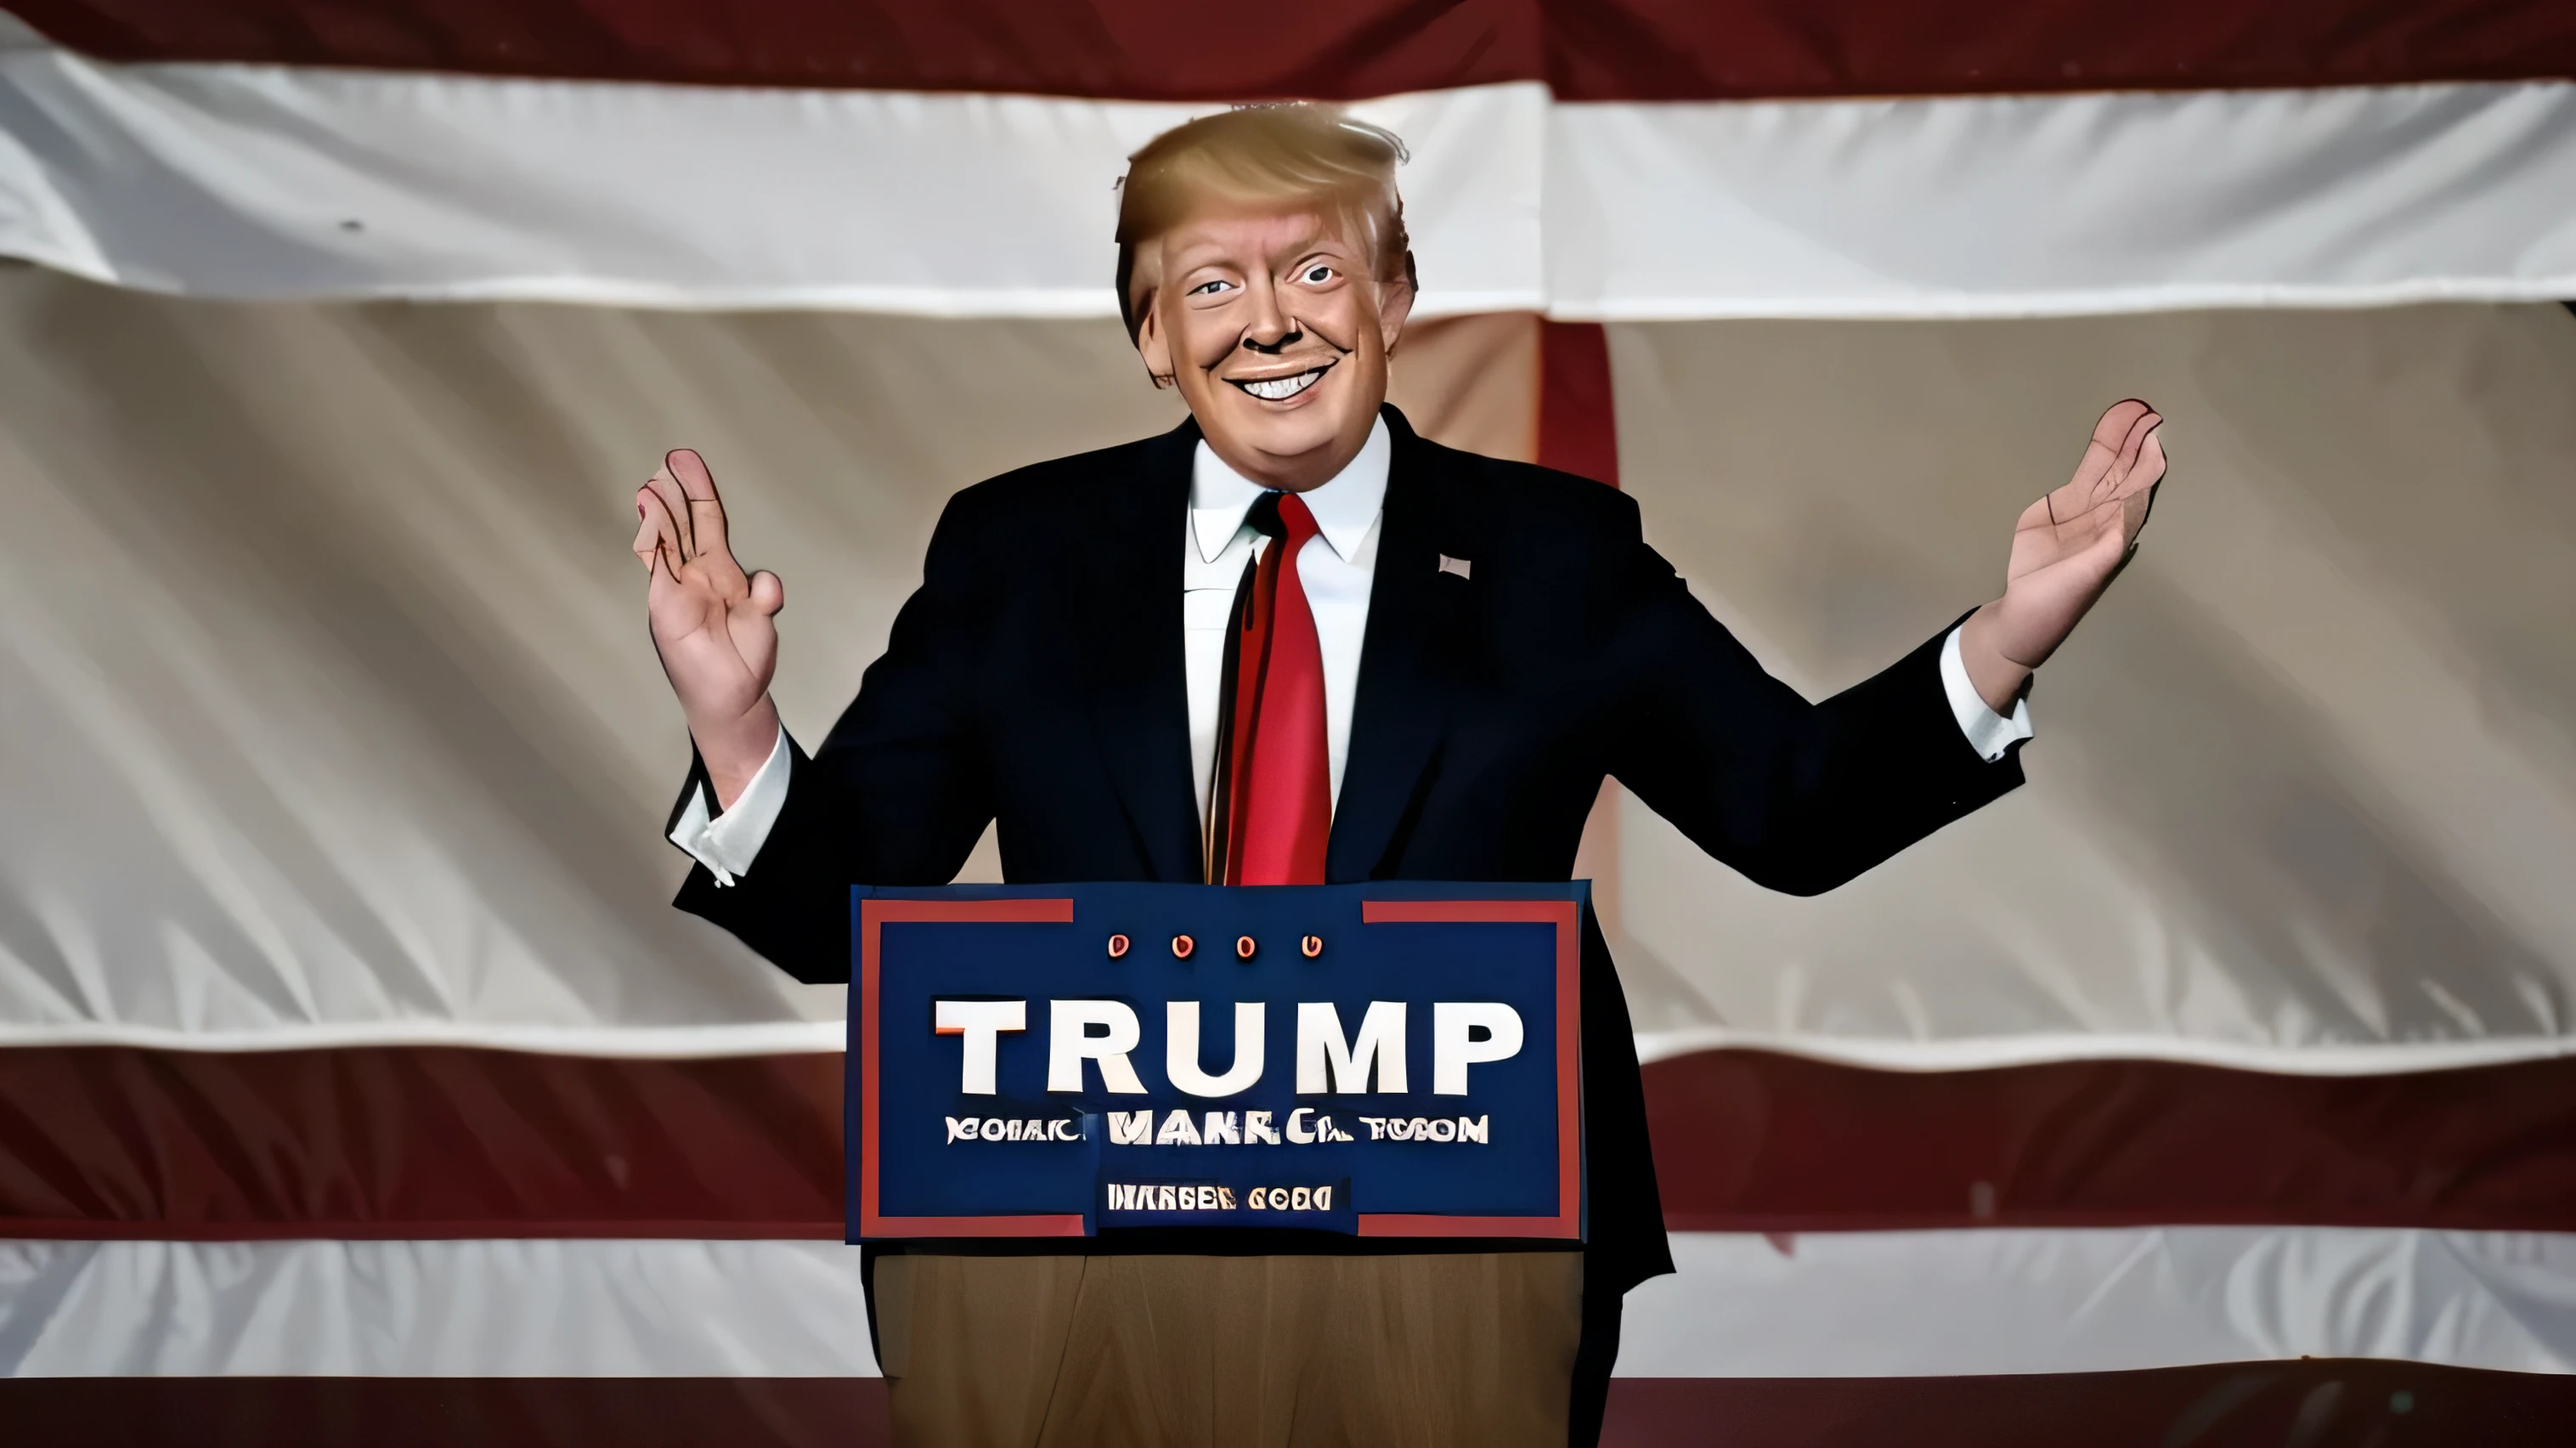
x=1432, y=1351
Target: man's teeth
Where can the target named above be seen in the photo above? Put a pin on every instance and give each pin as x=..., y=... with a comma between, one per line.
x=1280, y=389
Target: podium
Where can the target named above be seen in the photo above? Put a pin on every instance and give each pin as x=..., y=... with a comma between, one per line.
x=1381, y=1060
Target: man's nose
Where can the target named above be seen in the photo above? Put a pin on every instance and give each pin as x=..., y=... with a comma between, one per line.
x=1289, y=337
x=1271, y=329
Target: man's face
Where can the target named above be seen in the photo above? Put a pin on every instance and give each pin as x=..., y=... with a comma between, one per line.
x=1277, y=332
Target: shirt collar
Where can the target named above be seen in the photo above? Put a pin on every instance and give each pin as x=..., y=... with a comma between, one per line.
x=1345, y=507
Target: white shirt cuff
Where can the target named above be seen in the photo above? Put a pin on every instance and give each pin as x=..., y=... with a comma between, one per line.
x=727, y=843
x=1989, y=733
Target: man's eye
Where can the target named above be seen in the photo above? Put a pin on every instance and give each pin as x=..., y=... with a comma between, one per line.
x=1318, y=274
x=1210, y=288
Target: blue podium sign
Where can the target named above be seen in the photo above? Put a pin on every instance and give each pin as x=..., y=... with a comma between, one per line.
x=1386, y=1060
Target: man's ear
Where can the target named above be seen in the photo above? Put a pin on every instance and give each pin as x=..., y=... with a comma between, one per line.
x=1151, y=343
x=1394, y=304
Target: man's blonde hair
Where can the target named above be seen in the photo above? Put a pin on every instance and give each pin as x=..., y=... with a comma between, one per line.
x=1288, y=154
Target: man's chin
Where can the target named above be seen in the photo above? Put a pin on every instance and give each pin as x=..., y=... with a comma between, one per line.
x=1296, y=445
x=1286, y=439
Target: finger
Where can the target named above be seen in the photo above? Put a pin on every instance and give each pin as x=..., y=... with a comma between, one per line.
x=2136, y=437
x=2141, y=501
x=706, y=506
x=2122, y=476
x=2112, y=481
x=2149, y=465
x=676, y=504
x=768, y=592
x=2118, y=420
x=2101, y=459
x=657, y=534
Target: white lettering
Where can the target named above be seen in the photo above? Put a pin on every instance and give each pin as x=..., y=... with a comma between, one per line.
x=1257, y=1129
x=1299, y=1199
x=1376, y=1126
x=1453, y=1049
x=1155, y=1196
x=1444, y=1129
x=1472, y=1130
x=1015, y=1131
x=1062, y=1131
x=1320, y=1043
x=1181, y=1049
x=1071, y=1043
x=1177, y=1131
x=1131, y=1128
x=1297, y=1129
x=961, y=1129
x=1219, y=1130
x=1399, y=1129
x=978, y=1025
x=1323, y=1199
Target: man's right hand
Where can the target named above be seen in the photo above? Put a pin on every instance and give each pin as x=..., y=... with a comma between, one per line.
x=715, y=628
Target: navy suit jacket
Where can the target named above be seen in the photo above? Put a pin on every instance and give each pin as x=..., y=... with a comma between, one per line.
x=1036, y=678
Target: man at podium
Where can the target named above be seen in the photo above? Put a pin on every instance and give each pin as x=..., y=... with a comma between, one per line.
x=1293, y=642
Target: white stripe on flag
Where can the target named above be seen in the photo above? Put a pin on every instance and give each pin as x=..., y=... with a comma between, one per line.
x=270, y=182
x=1868, y=1304
x=538, y=1308
x=2012, y=1300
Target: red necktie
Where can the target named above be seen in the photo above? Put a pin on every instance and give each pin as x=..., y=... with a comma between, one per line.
x=1279, y=777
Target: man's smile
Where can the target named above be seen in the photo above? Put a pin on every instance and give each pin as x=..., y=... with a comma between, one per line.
x=1280, y=389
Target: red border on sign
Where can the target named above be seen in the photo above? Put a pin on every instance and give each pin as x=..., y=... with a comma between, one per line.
x=874, y=913
x=1563, y=914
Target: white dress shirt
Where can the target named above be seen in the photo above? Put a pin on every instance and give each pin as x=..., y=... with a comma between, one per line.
x=1336, y=566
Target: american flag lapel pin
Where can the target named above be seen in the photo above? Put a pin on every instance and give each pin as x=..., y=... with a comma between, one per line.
x=1458, y=566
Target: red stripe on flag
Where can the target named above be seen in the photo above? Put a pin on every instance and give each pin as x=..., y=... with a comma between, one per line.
x=413, y=1142
x=416, y=1142
x=1637, y=50
x=2310, y=1403
x=1578, y=420
x=1178, y=50
x=2316, y=1402
x=249, y=1412
x=1750, y=1141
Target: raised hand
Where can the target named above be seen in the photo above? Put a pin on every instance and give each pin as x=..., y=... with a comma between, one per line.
x=2065, y=549
x=714, y=626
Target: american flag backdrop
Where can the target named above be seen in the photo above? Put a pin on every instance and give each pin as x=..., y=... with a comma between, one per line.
x=357, y=1082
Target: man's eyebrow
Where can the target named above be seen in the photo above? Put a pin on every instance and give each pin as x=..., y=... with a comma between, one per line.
x=1221, y=253
x=1205, y=253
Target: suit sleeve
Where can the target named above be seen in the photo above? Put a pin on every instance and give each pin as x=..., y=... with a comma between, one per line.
x=1797, y=796
x=897, y=794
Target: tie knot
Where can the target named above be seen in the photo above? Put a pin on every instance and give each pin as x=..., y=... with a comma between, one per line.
x=1284, y=516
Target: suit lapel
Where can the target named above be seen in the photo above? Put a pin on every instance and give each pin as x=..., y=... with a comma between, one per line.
x=1138, y=688
x=1396, y=720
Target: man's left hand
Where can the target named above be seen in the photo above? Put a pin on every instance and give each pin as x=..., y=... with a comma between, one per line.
x=2065, y=549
